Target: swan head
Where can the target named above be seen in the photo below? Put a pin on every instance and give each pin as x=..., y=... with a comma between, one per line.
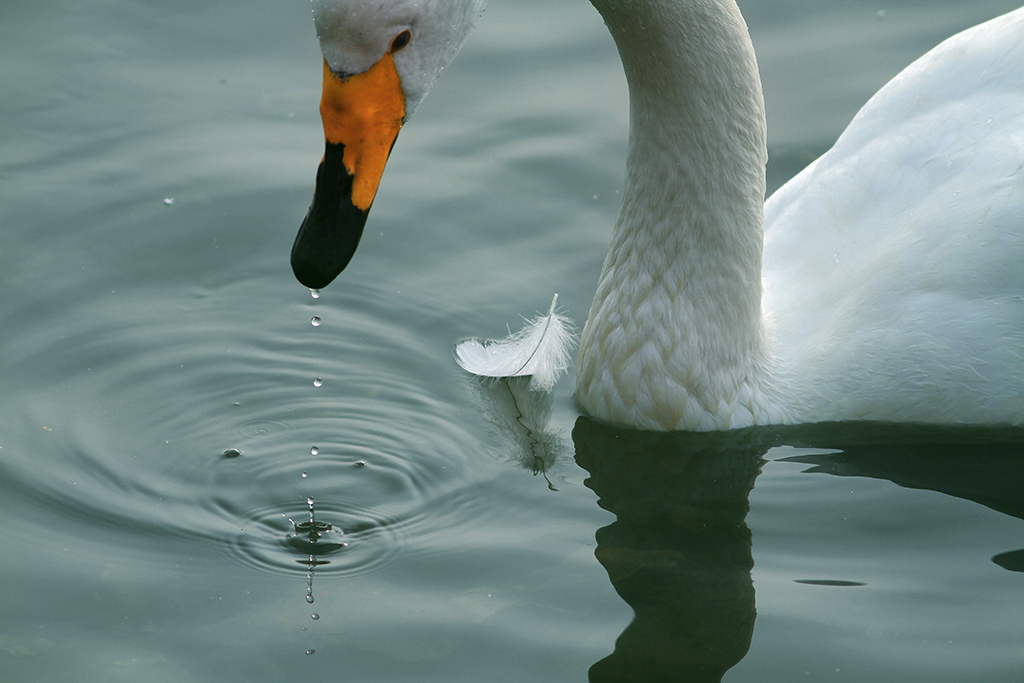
x=380, y=59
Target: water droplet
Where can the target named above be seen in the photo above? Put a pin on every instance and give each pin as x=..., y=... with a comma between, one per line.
x=317, y=382
x=314, y=616
x=359, y=463
x=315, y=321
x=309, y=599
x=304, y=475
x=315, y=293
x=168, y=200
x=309, y=652
x=232, y=453
x=314, y=451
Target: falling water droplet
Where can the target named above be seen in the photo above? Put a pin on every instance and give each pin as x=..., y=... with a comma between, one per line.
x=309, y=598
x=309, y=652
x=359, y=463
x=304, y=475
x=315, y=293
x=315, y=321
x=317, y=382
x=314, y=616
x=314, y=451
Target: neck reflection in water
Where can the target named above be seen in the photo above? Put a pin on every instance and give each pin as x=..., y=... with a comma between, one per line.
x=679, y=552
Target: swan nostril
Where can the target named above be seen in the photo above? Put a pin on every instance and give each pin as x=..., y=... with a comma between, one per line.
x=401, y=40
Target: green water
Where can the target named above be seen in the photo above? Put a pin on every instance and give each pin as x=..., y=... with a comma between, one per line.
x=156, y=162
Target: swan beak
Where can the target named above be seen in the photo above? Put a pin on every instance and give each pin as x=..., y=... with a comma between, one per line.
x=362, y=115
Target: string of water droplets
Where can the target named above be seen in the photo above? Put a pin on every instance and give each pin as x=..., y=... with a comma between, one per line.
x=316, y=538
x=315, y=293
x=314, y=450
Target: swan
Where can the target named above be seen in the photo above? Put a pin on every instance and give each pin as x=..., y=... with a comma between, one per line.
x=884, y=282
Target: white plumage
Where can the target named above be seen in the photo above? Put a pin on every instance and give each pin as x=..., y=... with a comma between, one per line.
x=885, y=282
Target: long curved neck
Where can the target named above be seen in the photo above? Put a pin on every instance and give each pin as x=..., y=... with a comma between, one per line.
x=675, y=338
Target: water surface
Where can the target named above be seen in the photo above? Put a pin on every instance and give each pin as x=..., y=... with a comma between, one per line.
x=157, y=162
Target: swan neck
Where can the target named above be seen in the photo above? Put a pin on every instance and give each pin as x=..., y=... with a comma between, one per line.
x=679, y=299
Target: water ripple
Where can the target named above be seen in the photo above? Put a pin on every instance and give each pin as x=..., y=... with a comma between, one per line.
x=371, y=536
x=135, y=408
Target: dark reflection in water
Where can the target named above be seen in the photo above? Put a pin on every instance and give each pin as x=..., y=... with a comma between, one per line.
x=985, y=466
x=981, y=465
x=679, y=552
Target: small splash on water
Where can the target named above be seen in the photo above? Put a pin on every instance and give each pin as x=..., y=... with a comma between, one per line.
x=168, y=201
x=232, y=453
x=315, y=293
x=317, y=382
x=359, y=463
x=315, y=322
x=309, y=537
x=315, y=450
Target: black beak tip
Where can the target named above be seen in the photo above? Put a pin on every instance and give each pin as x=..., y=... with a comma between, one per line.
x=321, y=251
x=331, y=230
x=313, y=275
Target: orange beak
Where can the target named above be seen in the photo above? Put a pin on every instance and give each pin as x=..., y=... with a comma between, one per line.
x=362, y=115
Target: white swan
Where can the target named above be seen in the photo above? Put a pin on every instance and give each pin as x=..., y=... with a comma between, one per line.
x=884, y=282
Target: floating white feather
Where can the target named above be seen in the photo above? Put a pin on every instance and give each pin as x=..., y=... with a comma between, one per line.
x=541, y=349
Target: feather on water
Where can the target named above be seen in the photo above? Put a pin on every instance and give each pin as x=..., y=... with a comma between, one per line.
x=541, y=348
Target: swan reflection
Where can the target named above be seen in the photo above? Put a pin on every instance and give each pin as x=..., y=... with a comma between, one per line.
x=679, y=552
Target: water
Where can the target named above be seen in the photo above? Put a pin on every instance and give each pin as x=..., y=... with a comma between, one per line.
x=158, y=414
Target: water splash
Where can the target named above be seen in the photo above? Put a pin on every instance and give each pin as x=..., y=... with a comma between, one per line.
x=314, y=537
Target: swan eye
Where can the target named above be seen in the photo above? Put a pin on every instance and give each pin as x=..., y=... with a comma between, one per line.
x=401, y=40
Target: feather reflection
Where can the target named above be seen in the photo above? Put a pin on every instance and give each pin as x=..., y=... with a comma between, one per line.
x=520, y=417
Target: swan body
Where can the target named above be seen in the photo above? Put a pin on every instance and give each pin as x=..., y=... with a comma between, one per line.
x=884, y=282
